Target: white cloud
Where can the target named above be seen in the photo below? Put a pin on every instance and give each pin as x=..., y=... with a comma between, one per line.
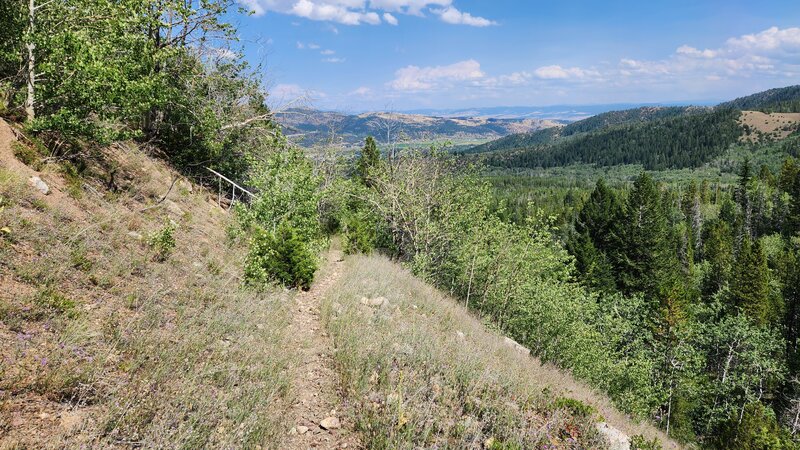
x=373, y=12
x=413, y=78
x=769, y=52
x=310, y=46
x=390, y=19
x=362, y=91
x=693, y=52
x=770, y=40
x=556, y=72
x=327, y=52
x=334, y=60
x=456, y=17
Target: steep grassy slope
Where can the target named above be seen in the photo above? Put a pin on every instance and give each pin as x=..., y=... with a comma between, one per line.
x=110, y=339
x=420, y=372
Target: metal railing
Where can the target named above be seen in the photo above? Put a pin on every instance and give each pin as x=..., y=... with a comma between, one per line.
x=234, y=188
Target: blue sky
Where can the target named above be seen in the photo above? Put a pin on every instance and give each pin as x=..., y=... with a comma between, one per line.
x=355, y=55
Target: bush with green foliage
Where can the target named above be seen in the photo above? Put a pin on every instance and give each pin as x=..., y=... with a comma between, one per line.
x=280, y=257
x=162, y=241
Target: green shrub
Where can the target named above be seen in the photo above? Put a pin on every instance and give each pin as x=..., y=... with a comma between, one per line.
x=756, y=429
x=360, y=232
x=50, y=298
x=281, y=257
x=640, y=442
x=28, y=155
x=162, y=241
x=575, y=407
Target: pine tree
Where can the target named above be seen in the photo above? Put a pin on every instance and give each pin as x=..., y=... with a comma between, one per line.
x=743, y=197
x=789, y=171
x=750, y=284
x=647, y=259
x=368, y=160
x=792, y=227
x=599, y=217
x=718, y=251
x=595, y=237
x=791, y=296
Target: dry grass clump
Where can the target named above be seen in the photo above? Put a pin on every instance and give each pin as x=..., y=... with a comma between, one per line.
x=109, y=341
x=419, y=371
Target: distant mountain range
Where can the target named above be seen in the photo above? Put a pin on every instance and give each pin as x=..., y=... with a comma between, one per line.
x=309, y=127
x=568, y=113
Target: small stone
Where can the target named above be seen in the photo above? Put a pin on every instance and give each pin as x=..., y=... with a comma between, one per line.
x=461, y=336
x=293, y=431
x=135, y=235
x=377, y=301
x=330, y=423
x=44, y=416
x=302, y=430
x=40, y=185
x=516, y=346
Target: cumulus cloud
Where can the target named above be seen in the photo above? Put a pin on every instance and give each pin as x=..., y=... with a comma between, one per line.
x=456, y=17
x=413, y=78
x=362, y=91
x=556, y=72
x=373, y=12
x=390, y=19
x=772, y=51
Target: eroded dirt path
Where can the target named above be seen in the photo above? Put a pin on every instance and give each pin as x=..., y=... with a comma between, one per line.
x=318, y=414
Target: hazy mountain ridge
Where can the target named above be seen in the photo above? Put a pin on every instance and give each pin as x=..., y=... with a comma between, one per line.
x=310, y=127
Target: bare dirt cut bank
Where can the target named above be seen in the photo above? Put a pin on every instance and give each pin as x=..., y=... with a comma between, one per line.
x=122, y=319
x=419, y=371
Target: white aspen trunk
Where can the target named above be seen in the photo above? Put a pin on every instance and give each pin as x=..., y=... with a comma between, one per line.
x=29, y=100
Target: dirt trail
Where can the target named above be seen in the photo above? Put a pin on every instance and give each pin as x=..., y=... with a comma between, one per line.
x=317, y=412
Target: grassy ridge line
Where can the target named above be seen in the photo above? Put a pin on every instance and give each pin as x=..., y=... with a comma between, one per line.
x=107, y=342
x=420, y=371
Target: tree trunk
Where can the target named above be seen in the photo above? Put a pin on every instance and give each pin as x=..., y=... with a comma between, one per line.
x=29, y=100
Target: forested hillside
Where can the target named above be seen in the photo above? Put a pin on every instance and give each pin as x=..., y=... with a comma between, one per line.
x=785, y=100
x=677, y=142
x=657, y=138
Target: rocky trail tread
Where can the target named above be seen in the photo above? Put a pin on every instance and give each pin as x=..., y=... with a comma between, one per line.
x=317, y=411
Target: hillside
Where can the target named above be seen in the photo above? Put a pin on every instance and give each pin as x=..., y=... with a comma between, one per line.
x=123, y=323
x=603, y=120
x=656, y=137
x=785, y=100
x=310, y=127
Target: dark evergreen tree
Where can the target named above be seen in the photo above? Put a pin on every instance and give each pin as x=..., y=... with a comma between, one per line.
x=595, y=236
x=791, y=297
x=369, y=159
x=718, y=251
x=750, y=284
x=788, y=175
x=646, y=261
x=792, y=226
